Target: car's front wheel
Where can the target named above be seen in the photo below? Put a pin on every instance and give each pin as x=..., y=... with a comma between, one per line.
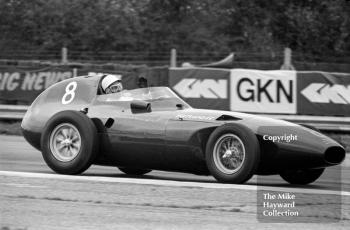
x=232, y=153
x=69, y=142
x=302, y=176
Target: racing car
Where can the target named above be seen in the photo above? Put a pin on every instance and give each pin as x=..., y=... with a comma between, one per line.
x=74, y=124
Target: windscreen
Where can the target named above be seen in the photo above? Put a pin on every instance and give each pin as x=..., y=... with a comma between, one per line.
x=160, y=97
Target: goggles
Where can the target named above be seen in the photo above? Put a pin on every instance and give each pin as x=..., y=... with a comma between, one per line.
x=115, y=88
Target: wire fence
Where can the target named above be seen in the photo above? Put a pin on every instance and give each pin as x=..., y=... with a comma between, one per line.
x=134, y=57
x=153, y=58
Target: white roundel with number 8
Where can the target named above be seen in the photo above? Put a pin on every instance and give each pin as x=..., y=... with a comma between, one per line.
x=70, y=93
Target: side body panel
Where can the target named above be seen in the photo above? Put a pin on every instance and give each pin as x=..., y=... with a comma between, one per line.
x=156, y=140
x=185, y=145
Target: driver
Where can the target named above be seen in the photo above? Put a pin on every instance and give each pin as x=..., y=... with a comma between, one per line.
x=112, y=84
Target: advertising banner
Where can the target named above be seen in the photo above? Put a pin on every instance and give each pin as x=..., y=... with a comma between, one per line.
x=202, y=87
x=244, y=90
x=23, y=85
x=26, y=85
x=322, y=93
x=259, y=91
x=263, y=91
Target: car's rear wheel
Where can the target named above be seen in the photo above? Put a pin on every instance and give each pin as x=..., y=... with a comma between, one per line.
x=302, y=176
x=69, y=142
x=232, y=153
x=134, y=171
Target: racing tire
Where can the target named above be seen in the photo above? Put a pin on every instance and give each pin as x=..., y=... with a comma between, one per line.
x=302, y=176
x=232, y=153
x=69, y=142
x=134, y=171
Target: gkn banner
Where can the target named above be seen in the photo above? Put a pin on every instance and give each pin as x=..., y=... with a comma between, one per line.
x=202, y=87
x=257, y=91
x=263, y=91
x=323, y=93
x=237, y=89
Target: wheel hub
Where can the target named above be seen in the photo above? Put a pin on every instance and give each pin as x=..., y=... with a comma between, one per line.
x=67, y=142
x=229, y=153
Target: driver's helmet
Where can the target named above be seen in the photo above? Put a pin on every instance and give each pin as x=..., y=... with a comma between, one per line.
x=112, y=84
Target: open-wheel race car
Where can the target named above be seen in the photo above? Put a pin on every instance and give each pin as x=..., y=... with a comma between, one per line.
x=75, y=125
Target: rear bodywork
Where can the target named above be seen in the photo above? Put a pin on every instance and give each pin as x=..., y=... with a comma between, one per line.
x=172, y=136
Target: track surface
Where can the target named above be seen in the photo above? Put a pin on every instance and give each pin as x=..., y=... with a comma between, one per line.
x=104, y=198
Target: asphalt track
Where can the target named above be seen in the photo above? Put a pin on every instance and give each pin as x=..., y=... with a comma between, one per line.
x=33, y=197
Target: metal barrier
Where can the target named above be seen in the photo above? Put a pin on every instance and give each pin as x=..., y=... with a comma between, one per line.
x=325, y=123
x=12, y=112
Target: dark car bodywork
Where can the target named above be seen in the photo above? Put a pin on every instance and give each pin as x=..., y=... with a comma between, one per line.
x=170, y=135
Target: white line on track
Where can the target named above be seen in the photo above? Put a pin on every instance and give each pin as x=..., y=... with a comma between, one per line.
x=22, y=185
x=171, y=183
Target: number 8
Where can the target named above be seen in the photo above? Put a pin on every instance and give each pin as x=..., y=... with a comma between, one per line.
x=70, y=91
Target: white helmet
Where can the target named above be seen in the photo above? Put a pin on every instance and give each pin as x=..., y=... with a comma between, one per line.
x=109, y=80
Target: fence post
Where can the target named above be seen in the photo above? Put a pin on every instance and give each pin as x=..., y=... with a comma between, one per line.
x=173, y=58
x=64, y=54
x=287, y=61
x=75, y=72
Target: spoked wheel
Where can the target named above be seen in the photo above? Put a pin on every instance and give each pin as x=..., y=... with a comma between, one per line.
x=232, y=153
x=229, y=153
x=134, y=171
x=302, y=176
x=65, y=142
x=69, y=142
